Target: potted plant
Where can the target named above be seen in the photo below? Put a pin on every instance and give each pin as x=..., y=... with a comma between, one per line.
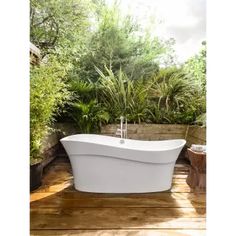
x=37, y=133
x=48, y=94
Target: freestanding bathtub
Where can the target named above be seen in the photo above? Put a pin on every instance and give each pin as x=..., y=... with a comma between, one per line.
x=104, y=164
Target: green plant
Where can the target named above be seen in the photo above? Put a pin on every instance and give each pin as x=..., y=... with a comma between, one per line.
x=122, y=96
x=89, y=116
x=58, y=26
x=196, y=67
x=116, y=42
x=82, y=90
x=134, y=86
x=201, y=120
x=48, y=94
x=175, y=97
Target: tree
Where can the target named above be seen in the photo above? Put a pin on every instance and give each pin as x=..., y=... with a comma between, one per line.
x=196, y=66
x=59, y=26
x=118, y=42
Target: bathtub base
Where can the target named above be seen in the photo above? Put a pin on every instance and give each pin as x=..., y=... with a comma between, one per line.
x=101, y=174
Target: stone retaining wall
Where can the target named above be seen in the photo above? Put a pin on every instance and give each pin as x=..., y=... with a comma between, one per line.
x=192, y=134
x=196, y=135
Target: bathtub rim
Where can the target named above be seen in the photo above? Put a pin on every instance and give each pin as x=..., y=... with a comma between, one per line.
x=121, y=146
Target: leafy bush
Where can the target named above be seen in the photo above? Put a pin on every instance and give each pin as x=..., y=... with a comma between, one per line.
x=86, y=111
x=196, y=67
x=175, y=96
x=118, y=42
x=85, y=35
x=89, y=116
x=122, y=96
x=48, y=94
x=58, y=26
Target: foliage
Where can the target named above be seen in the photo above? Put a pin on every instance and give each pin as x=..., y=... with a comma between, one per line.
x=85, y=35
x=196, y=67
x=201, y=120
x=59, y=26
x=175, y=96
x=118, y=43
x=86, y=111
x=83, y=90
x=48, y=94
x=122, y=96
x=89, y=116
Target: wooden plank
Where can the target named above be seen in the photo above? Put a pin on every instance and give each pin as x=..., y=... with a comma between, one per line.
x=90, y=212
x=79, y=199
x=75, y=195
x=180, y=176
x=114, y=218
x=177, y=188
x=142, y=232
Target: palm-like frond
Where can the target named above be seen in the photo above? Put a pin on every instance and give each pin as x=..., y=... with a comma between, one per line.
x=175, y=97
x=89, y=116
x=122, y=96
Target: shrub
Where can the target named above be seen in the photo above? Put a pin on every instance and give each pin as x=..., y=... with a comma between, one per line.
x=176, y=97
x=122, y=96
x=89, y=116
x=119, y=42
x=48, y=93
x=196, y=67
x=85, y=110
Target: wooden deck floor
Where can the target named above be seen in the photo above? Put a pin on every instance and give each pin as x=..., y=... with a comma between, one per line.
x=57, y=209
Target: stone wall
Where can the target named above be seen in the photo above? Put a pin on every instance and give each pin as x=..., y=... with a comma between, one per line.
x=192, y=134
x=51, y=146
x=196, y=135
x=60, y=130
x=149, y=131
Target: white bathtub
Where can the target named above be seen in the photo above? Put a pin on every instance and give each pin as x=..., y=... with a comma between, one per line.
x=104, y=165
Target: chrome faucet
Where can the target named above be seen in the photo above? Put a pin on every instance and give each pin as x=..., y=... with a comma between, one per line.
x=122, y=132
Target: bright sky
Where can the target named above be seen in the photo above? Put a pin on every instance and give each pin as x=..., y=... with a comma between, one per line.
x=183, y=20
